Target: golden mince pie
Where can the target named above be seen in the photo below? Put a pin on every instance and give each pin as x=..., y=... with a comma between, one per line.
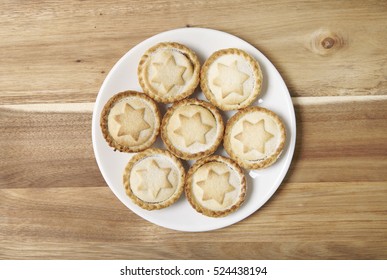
x=169, y=72
x=231, y=79
x=192, y=129
x=154, y=179
x=254, y=137
x=215, y=186
x=130, y=121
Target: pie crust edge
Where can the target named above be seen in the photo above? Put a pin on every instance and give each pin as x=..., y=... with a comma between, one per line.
x=199, y=208
x=104, y=121
x=187, y=52
x=146, y=205
x=257, y=84
x=262, y=163
x=184, y=155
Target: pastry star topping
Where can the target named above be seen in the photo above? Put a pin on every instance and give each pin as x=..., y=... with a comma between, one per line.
x=168, y=73
x=154, y=178
x=215, y=186
x=192, y=129
x=230, y=79
x=254, y=136
x=131, y=122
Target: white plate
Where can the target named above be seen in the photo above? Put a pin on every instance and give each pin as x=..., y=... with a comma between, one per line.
x=261, y=184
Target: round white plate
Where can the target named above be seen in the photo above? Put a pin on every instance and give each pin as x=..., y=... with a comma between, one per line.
x=261, y=183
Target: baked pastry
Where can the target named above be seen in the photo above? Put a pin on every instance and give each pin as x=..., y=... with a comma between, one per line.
x=215, y=186
x=192, y=129
x=231, y=79
x=168, y=72
x=154, y=179
x=254, y=137
x=130, y=121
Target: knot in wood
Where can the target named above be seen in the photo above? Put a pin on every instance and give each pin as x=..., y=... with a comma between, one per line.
x=325, y=42
x=328, y=43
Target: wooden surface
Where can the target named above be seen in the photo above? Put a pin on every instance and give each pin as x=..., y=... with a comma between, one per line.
x=54, y=57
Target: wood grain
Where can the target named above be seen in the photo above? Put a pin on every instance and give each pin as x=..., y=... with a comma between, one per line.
x=56, y=146
x=320, y=47
x=54, y=202
x=61, y=218
x=293, y=214
x=339, y=177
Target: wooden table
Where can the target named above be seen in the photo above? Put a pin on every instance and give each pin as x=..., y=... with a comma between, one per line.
x=54, y=202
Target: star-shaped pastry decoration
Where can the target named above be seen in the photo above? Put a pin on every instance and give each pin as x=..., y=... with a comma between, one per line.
x=168, y=73
x=154, y=178
x=230, y=79
x=131, y=122
x=192, y=129
x=215, y=186
x=254, y=136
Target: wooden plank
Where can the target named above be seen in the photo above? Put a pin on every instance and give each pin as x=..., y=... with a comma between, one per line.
x=61, y=51
x=51, y=149
x=332, y=204
x=40, y=191
x=336, y=142
x=352, y=213
x=340, y=141
x=193, y=250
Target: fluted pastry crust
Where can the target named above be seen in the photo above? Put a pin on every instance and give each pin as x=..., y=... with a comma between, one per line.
x=231, y=79
x=254, y=137
x=215, y=186
x=168, y=72
x=192, y=129
x=130, y=121
x=154, y=179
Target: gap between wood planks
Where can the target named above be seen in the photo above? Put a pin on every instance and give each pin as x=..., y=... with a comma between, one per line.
x=88, y=106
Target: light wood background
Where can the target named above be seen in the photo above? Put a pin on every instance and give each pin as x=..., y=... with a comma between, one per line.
x=54, y=57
